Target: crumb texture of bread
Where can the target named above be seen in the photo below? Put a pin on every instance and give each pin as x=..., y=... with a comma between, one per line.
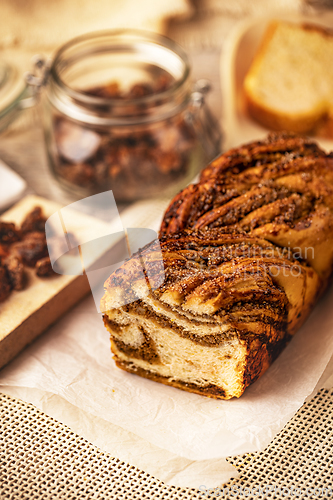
x=289, y=85
x=246, y=252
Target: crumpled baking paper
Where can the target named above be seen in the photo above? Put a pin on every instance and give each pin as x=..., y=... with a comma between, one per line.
x=128, y=447
x=73, y=360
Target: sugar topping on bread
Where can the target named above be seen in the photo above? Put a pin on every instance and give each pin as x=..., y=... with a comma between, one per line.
x=246, y=252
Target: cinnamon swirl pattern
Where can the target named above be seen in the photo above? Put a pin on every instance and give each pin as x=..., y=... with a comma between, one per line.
x=246, y=253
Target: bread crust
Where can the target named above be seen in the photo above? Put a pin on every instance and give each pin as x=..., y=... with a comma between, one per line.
x=268, y=117
x=234, y=289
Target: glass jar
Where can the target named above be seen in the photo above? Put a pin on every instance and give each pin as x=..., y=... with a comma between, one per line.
x=15, y=97
x=120, y=113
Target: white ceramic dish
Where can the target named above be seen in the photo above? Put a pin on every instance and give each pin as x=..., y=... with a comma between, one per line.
x=240, y=49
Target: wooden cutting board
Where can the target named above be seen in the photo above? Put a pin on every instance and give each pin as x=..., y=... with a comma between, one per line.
x=27, y=313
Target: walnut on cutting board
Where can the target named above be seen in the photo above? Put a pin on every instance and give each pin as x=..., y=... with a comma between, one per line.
x=20, y=247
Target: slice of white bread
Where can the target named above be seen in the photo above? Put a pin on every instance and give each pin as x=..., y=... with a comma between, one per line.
x=289, y=85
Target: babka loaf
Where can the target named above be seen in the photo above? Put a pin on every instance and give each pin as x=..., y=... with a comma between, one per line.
x=280, y=189
x=246, y=252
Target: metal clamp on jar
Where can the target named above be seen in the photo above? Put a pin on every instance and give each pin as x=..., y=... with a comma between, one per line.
x=120, y=113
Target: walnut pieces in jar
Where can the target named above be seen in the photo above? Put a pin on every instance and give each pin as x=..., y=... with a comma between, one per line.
x=120, y=113
x=135, y=162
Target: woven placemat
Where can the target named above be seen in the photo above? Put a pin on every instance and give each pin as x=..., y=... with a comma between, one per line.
x=43, y=459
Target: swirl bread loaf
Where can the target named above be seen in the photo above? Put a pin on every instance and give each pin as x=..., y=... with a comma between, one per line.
x=246, y=253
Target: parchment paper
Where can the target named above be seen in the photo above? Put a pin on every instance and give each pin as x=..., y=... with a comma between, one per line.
x=128, y=447
x=73, y=360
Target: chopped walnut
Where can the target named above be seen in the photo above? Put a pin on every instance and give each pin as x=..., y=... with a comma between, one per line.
x=8, y=232
x=5, y=287
x=135, y=161
x=32, y=248
x=140, y=90
x=34, y=221
x=15, y=271
x=4, y=250
x=24, y=247
x=43, y=267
